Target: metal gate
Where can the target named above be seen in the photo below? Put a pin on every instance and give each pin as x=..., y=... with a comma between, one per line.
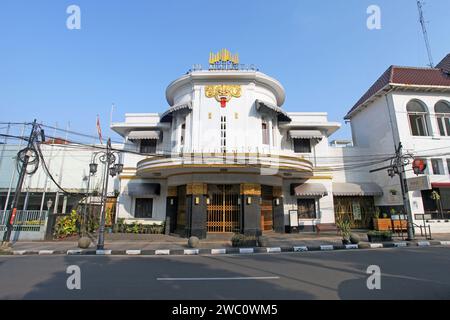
x=223, y=209
x=266, y=208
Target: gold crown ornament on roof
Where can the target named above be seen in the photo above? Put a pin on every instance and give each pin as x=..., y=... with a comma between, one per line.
x=223, y=56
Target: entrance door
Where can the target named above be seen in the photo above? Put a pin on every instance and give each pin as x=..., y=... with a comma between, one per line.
x=223, y=209
x=267, y=208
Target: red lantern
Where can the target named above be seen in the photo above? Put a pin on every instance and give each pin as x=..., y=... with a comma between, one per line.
x=419, y=166
x=223, y=102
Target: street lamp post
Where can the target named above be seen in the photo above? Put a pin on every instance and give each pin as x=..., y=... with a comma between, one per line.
x=108, y=158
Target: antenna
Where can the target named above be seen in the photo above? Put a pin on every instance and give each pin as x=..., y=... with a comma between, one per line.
x=425, y=33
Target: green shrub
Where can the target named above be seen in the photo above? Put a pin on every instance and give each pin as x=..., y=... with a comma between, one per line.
x=68, y=225
x=376, y=233
x=240, y=240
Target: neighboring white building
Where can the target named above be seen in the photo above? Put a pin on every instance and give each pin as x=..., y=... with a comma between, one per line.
x=411, y=106
x=69, y=166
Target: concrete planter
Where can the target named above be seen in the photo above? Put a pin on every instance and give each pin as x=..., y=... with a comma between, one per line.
x=379, y=238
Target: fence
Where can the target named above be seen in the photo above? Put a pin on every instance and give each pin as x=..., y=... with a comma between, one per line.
x=28, y=224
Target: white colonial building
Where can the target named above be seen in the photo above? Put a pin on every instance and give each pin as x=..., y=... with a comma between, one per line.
x=226, y=157
x=411, y=106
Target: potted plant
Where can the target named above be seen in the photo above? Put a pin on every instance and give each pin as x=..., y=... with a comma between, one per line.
x=381, y=224
x=379, y=236
x=437, y=198
x=398, y=222
x=345, y=229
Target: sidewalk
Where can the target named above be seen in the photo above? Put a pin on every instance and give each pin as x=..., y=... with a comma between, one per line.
x=146, y=242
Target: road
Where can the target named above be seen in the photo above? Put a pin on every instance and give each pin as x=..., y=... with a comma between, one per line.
x=406, y=273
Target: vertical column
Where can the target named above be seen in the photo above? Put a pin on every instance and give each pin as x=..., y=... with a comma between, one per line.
x=197, y=210
x=171, y=209
x=278, y=210
x=251, y=197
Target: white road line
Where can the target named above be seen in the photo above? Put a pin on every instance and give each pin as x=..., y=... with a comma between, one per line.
x=217, y=279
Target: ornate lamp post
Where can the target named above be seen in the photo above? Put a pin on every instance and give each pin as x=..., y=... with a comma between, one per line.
x=112, y=168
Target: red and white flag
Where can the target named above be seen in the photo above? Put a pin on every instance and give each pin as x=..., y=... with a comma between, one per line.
x=99, y=130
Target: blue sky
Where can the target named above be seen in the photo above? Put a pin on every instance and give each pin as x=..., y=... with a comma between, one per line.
x=127, y=52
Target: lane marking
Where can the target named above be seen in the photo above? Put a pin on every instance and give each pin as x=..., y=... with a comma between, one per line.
x=217, y=279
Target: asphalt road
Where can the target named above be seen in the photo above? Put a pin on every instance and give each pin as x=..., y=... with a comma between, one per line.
x=406, y=273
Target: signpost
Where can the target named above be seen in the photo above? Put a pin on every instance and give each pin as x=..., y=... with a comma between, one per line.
x=419, y=183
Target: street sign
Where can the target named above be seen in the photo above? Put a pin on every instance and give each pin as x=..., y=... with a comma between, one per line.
x=422, y=216
x=293, y=218
x=419, y=183
x=356, y=211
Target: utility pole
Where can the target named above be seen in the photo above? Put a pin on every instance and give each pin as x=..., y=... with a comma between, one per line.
x=397, y=167
x=11, y=214
x=399, y=163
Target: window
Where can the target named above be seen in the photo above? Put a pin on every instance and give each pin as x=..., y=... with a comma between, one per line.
x=437, y=166
x=183, y=132
x=448, y=166
x=143, y=208
x=302, y=145
x=306, y=208
x=148, y=146
x=417, y=118
x=223, y=134
x=265, y=132
x=442, y=110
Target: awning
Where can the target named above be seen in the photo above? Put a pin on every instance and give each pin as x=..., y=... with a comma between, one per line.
x=440, y=184
x=144, y=135
x=305, y=134
x=356, y=189
x=282, y=115
x=143, y=189
x=167, y=116
x=309, y=189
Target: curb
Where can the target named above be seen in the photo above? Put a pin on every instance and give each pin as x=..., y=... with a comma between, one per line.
x=229, y=251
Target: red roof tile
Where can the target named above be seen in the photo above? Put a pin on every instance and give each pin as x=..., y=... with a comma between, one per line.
x=438, y=76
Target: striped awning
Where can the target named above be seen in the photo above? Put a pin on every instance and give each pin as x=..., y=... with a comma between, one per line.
x=282, y=115
x=305, y=134
x=143, y=189
x=356, y=189
x=144, y=135
x=167, y=116
x=309, y=189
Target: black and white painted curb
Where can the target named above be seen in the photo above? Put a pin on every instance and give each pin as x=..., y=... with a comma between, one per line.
x=223, y=251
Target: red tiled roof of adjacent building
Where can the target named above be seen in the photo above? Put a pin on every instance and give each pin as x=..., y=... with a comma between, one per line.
x=439, y=76
x=445, y=64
